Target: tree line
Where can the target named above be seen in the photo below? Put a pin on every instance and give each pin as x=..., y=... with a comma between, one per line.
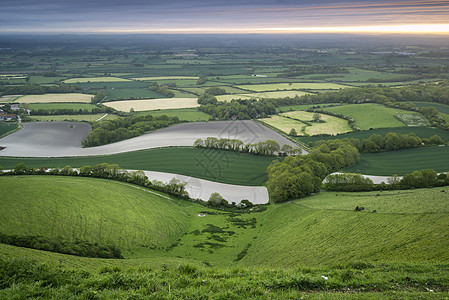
x=268, y=147
x=71, y=111
x=237, y=109
x=37, y=89
x=301, y=175
x=59, y=245
x=112, y=131
x=349, y=182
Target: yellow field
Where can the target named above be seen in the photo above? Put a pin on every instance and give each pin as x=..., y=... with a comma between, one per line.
x=153, y=104
x=279, y=94
x=284, y=124
x=69, y=97
x=95, y=79
x=292, y=86
x=165, y=78
x=332, y=125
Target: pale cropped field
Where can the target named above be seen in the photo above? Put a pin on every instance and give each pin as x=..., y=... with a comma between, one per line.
x=95, y=79
x=331, y=125
x=284, y=124
x=153, y=104
x=277, y=94
x=69, y=97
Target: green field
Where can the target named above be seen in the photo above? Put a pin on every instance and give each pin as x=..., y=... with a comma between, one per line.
x=186, y=114
x=216, y=165
x=403, y=161
x=422, y=132
x=285, y=124
x=6, y=127
x=77, y=118
x=95, y=210
x=82, y=106
x=331, y=125
x=286, y=108
x=95, y=79
x=443, y=108
x=293, y=86
x=370, y=115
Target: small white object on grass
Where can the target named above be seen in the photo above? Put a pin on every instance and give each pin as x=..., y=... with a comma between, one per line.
x=324, y=277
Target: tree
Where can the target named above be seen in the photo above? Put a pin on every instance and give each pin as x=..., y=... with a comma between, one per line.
x=316, y=118
x=293, y=132
x=215, y=200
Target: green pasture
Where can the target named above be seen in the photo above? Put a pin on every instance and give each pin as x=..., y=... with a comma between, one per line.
x=76, y=118
x=286, y=108
x=76, y=106
x=422, y=132
x=6, y=127
x=442, y=108
x=91, y=209
x=185, y=114
x=330, y=232
x=280, y=94
x=130, y=84
x=403, y=161
x=292, y=86
x=94, y=79
x=45, y=79
x=370, y=115
x=216, y=165
x=131, y=93
x=330, y=125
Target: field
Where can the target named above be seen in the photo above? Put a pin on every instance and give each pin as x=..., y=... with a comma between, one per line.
x=331, y=125
x=153, y=104
x=165, y=78
x=284, y=124
x=293, y=86
x=370, y=115
x=73, y=118
x=130, y=93
x=215, y=165
x=72, y=97
x=187, y=114
x=280, y=94
x=95, y=79
x=287, y=108
x=422, y=132
x=440, y=107
x=122, y=217
x=64, y=105
x=6, y=127
x=403, y=161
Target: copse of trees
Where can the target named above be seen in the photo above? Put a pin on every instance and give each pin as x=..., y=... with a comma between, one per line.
x=70, y=111
x=112, y=131
x=164, y=90
x=268, y=147
x=239, y=109
x=299, y=176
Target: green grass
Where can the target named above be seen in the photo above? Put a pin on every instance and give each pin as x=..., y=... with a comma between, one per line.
x=76, y=118
x=331, y=125
x=6, y=127
x=90, y=209
x=442, y=108
x=94, y=79
x=45, y=79
x=370, y=115
x=403, y=161
x=329, y=231
x=422, y=132
x=293, y=86
x=216, y=165
x=286, y=108
x=83, y=106
x=285, y=124
x=186, y=114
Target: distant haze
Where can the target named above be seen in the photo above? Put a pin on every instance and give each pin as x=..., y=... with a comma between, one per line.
x=232, y=16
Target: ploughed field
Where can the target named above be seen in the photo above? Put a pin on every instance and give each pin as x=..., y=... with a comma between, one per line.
x=64, y=139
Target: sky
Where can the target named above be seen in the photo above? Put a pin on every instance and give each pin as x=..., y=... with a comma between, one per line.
x=223, y=16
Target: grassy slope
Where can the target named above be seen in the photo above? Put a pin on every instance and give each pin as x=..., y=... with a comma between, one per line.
x=370, y=115
x=403, y=161
x=216, y=165
x=6, y=127
x=304, y=232
x=90, y=209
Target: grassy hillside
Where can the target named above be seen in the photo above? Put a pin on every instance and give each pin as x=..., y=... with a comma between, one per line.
x=403, y=161
x=91, y=209
x=216, y=165
x=325, y=230
x=6, y=127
